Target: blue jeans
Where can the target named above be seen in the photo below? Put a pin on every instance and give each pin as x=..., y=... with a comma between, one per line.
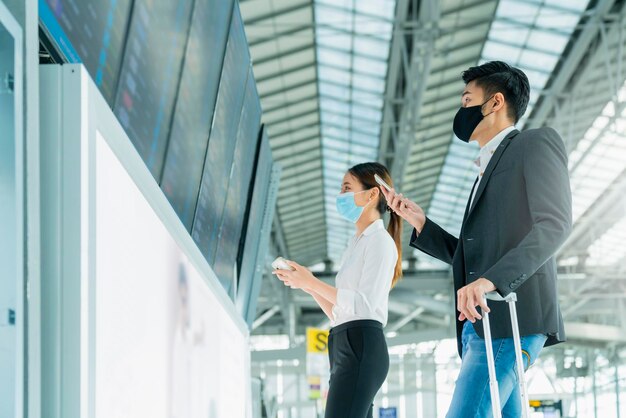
x=472, y=398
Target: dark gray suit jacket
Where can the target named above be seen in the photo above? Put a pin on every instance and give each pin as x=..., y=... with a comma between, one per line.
x=521, y=215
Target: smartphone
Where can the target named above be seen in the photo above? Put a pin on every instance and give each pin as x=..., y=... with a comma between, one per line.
x=382, y=182
x=281, y=264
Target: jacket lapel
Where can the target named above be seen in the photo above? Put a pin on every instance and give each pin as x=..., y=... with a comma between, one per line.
x=492, y=164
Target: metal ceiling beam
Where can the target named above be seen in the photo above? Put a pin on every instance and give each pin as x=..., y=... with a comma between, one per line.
x=283, y=104
x=353, y=71
x=290, y=130
x=296, y=217
x=441, y=307
x=283, y=72
x=609, y=209
x=265, y=316
x=306, y=240
x=278, y=13
x=353, y=53
x=297, y=179
x=355, y=88
x=276, y=149
x=307, y=162
x=279, y=236
x=293, y=118
x=296, y=204
x=405, y=320
x=284, y=88
x=276, y=35
x=283, y=53
x=414, y=67
x=269, y=116
x=394, y=73
x=348, y=101
x=570, y=67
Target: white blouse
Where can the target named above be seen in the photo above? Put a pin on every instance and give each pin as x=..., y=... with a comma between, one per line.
x=364, y=279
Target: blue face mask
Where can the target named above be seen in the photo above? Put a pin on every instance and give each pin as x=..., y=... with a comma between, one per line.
x=347, y=207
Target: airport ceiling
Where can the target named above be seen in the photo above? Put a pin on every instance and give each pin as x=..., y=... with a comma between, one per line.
x=346, y=81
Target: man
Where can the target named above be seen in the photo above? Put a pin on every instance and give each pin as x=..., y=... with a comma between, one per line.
x=517, y=217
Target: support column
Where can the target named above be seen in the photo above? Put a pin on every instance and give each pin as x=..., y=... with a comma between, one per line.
x=592, y=362
x=617, y=390
x=575, y=390
x=410, y=387
x=429, y=388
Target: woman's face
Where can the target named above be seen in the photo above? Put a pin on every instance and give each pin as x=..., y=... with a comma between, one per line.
x=352, y=184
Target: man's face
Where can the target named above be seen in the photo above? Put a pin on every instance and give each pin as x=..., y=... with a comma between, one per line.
x=474, y=95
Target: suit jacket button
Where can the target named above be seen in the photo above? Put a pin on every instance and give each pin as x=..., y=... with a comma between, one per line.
x=512, y=286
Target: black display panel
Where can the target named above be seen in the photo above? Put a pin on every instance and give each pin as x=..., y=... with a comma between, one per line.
x=239, y=184
x=260, y=181
x=222, y=140
x=150, y=74
x=255, y=214
x=195, y=105
x=91, y=32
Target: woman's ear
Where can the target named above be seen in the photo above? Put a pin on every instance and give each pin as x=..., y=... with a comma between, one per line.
x=373, y=194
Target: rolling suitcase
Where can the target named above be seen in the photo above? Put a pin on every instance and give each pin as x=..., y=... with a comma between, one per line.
x=511, y=298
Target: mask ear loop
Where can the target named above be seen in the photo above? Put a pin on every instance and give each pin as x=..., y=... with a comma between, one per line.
x=492, y=110
x=368, y=200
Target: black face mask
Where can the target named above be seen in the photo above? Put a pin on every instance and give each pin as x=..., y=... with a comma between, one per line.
x=467, y=119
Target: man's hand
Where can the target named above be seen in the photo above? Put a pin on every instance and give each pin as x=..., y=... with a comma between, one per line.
x=470, y=296
x=408, y=210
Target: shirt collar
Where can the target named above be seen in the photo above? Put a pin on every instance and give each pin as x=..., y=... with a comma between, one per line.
x=490, y=147
x=496, y=140
x=373, y=227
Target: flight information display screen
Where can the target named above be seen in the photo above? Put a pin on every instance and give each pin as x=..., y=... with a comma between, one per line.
x=189, y=137
x=251, y=250
x=222, y=140
x=261, y=178
x=150, y=75
x=91, y=32
x=239, y=183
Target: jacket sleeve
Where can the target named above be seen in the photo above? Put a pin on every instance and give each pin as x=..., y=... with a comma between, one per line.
x=435, y=241
x=550, y=203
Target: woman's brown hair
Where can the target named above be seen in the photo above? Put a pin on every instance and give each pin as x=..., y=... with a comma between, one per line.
x=365, y=174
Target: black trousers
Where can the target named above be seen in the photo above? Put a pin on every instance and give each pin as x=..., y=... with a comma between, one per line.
x=359, y=362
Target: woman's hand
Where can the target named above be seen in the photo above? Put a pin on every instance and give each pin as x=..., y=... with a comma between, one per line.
x=299, y=278
x=405, y=208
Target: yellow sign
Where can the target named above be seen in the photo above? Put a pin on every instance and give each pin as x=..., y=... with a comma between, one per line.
x=316, y=340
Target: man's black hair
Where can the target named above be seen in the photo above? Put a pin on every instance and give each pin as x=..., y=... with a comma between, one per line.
x=499, y=77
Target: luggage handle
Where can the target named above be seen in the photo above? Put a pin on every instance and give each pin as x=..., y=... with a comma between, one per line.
x=511, y=298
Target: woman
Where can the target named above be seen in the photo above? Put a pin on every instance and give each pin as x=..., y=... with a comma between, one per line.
x=357, y=305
